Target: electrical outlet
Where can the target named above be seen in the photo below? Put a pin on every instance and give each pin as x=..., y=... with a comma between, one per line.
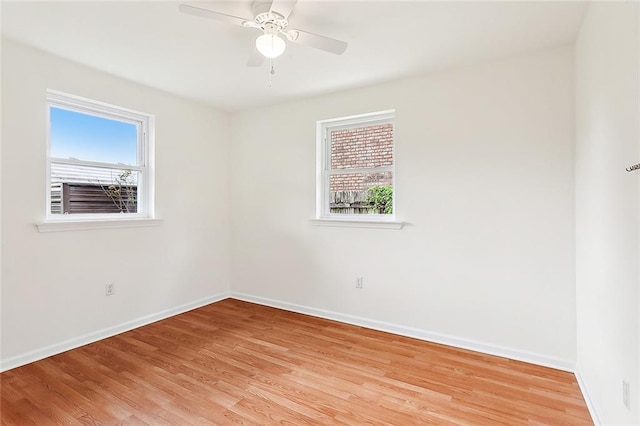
x=626, y=394
x=110, y=289
x=359, y=281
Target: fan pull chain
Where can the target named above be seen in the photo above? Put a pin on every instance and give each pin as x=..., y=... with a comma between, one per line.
x=272, y=72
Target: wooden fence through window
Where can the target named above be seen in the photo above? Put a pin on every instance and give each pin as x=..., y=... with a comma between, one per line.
x=350, y=202
x=79, y=198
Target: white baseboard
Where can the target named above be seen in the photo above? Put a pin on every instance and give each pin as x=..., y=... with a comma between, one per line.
x=85, y=339
x=587, y=398
x=518, y=355
x=401, y=330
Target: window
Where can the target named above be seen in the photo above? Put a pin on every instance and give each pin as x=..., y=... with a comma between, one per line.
x=98, y=160
x=356, y=167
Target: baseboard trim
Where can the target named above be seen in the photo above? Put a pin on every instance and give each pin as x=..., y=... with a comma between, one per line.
x=587, y=398
x=401, y=330
x=514, y=354
x=85, y=339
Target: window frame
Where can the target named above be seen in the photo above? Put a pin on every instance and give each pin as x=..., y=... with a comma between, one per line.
x=145, y=124
x=324, y=171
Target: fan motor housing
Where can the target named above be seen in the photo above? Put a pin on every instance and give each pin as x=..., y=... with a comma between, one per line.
x=263, y=14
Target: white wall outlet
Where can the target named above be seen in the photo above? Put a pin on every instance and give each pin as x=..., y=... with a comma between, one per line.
x=359, y=281
x=110, y=289
x=626, y=394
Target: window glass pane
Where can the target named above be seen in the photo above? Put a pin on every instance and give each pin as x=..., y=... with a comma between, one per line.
x=84, y=189
x=361, y=193
x=362, y=147
x=92, y=138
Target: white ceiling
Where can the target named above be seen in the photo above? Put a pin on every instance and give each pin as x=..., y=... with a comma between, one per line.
x=152, y=43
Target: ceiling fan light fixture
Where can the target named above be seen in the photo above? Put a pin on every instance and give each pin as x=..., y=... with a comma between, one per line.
x=271, y=16
x=270, y=45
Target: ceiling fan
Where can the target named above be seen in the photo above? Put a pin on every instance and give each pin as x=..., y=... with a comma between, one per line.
x=271, y=17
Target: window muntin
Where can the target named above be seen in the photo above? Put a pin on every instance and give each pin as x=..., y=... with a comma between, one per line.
x=98, y=163
x=356, y=167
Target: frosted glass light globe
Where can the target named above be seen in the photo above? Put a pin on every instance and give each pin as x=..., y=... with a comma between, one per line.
x=270, y=45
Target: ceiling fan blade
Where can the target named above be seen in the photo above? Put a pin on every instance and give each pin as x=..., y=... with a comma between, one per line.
x=255, y=59
x=283, y=7
x=327, y=44
x=218, y=16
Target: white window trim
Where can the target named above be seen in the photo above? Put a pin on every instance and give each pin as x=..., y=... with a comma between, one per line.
x=358, y=223
x=145, y=152
x=82, y=225
x=323, y=150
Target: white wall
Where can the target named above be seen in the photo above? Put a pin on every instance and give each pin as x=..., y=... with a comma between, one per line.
x=608, y=113
x=53, y=283
x=0, y=210
x=485, y=180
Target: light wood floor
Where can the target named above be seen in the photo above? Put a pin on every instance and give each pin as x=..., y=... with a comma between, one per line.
x=236, y=362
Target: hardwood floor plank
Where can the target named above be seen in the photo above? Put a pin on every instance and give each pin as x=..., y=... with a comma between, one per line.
x=234, y=362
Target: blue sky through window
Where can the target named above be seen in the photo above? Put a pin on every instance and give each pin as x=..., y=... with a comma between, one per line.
x=91, y=138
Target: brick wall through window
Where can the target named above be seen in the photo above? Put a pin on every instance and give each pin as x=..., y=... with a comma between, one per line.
x=363, y=147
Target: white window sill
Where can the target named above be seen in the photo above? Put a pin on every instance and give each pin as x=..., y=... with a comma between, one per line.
x=81, y=225
x=354, y=223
